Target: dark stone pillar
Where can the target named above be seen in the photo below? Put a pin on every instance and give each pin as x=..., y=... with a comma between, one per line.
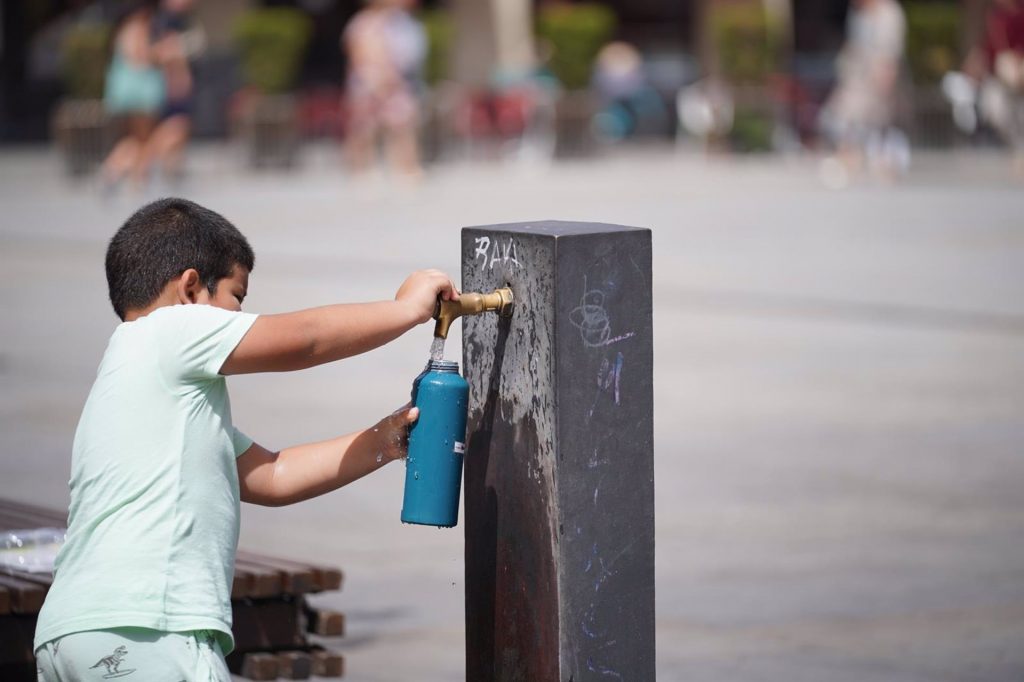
x=559, y=469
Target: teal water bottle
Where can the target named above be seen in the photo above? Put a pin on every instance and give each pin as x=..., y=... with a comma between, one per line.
x=433, y=474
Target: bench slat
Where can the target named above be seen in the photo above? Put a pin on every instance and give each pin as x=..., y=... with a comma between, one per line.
x=324, y=577
x=295, y=578
x=265, y=582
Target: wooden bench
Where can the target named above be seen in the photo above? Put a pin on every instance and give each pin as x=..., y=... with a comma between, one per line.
x=268, y=600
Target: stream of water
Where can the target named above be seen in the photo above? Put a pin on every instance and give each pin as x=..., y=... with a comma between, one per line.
x=437, y=350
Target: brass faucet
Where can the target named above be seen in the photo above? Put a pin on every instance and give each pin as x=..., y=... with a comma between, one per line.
x=500, y=301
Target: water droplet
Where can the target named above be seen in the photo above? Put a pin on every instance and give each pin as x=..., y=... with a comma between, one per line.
x=380, y=457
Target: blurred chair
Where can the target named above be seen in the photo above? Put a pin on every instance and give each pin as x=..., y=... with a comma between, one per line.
x=514, y=120
x=83, y=133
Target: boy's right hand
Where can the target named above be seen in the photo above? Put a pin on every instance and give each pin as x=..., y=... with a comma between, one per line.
x=420, y=291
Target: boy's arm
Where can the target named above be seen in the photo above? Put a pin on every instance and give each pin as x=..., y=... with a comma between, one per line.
x=291, y=341
x=298, y=473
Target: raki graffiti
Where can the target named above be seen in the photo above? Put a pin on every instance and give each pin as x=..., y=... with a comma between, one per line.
x=492, y=251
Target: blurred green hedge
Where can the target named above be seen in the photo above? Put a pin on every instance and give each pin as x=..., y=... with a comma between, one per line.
x=933, y=39
x=83, y=56
x=575, y=33
x=272, y=42
x=748, y=41
x=440, y=30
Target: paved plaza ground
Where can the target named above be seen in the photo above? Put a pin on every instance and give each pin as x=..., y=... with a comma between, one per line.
x=839, y=396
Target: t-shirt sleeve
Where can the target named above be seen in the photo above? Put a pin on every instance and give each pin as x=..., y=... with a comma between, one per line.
x=240, y=441
x=198, y=338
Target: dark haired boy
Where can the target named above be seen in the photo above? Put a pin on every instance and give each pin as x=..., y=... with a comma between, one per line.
x=158, y=469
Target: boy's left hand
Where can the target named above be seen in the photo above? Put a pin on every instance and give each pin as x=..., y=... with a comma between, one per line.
x=393, y=432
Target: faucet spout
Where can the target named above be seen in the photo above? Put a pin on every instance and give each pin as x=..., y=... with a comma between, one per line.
x=471, y=303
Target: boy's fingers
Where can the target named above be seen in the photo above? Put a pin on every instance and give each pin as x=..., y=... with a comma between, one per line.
x=449, y=291
x=446, y=287
x=406, y=414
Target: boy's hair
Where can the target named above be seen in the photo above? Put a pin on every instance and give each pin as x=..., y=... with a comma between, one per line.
x=164, y=239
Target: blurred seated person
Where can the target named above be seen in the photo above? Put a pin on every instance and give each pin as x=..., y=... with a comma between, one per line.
x=628, y=101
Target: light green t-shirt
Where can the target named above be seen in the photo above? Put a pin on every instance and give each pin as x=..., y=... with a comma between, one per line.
x=153, y=524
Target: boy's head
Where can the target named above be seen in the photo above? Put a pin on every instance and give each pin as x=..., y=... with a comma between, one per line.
x=163, y=241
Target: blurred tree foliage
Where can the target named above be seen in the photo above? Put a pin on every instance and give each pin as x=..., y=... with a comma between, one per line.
x=84, y=54
x=747, y=39
x=575, y=34
x=272, y=42
x=440, y=30
x=933, y=39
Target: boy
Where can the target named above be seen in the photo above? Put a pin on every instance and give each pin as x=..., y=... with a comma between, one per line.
x=158, y=469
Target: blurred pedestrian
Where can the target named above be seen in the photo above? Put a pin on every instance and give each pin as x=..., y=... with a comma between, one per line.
x=859, y=117
x=995, y=67
x=176, y=44
x=385, y=47
x=135, y=93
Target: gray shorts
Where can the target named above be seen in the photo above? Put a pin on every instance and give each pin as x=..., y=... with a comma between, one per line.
x=139, y=654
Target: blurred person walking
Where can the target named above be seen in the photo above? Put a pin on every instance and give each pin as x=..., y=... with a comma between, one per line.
x=385, y=47
x=176, y=43
x=135, y=93
x=858, y=117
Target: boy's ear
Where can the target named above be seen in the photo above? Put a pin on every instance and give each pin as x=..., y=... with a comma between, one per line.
x=188, y=286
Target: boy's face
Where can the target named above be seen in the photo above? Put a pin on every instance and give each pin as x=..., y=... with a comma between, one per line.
x=230, y=291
